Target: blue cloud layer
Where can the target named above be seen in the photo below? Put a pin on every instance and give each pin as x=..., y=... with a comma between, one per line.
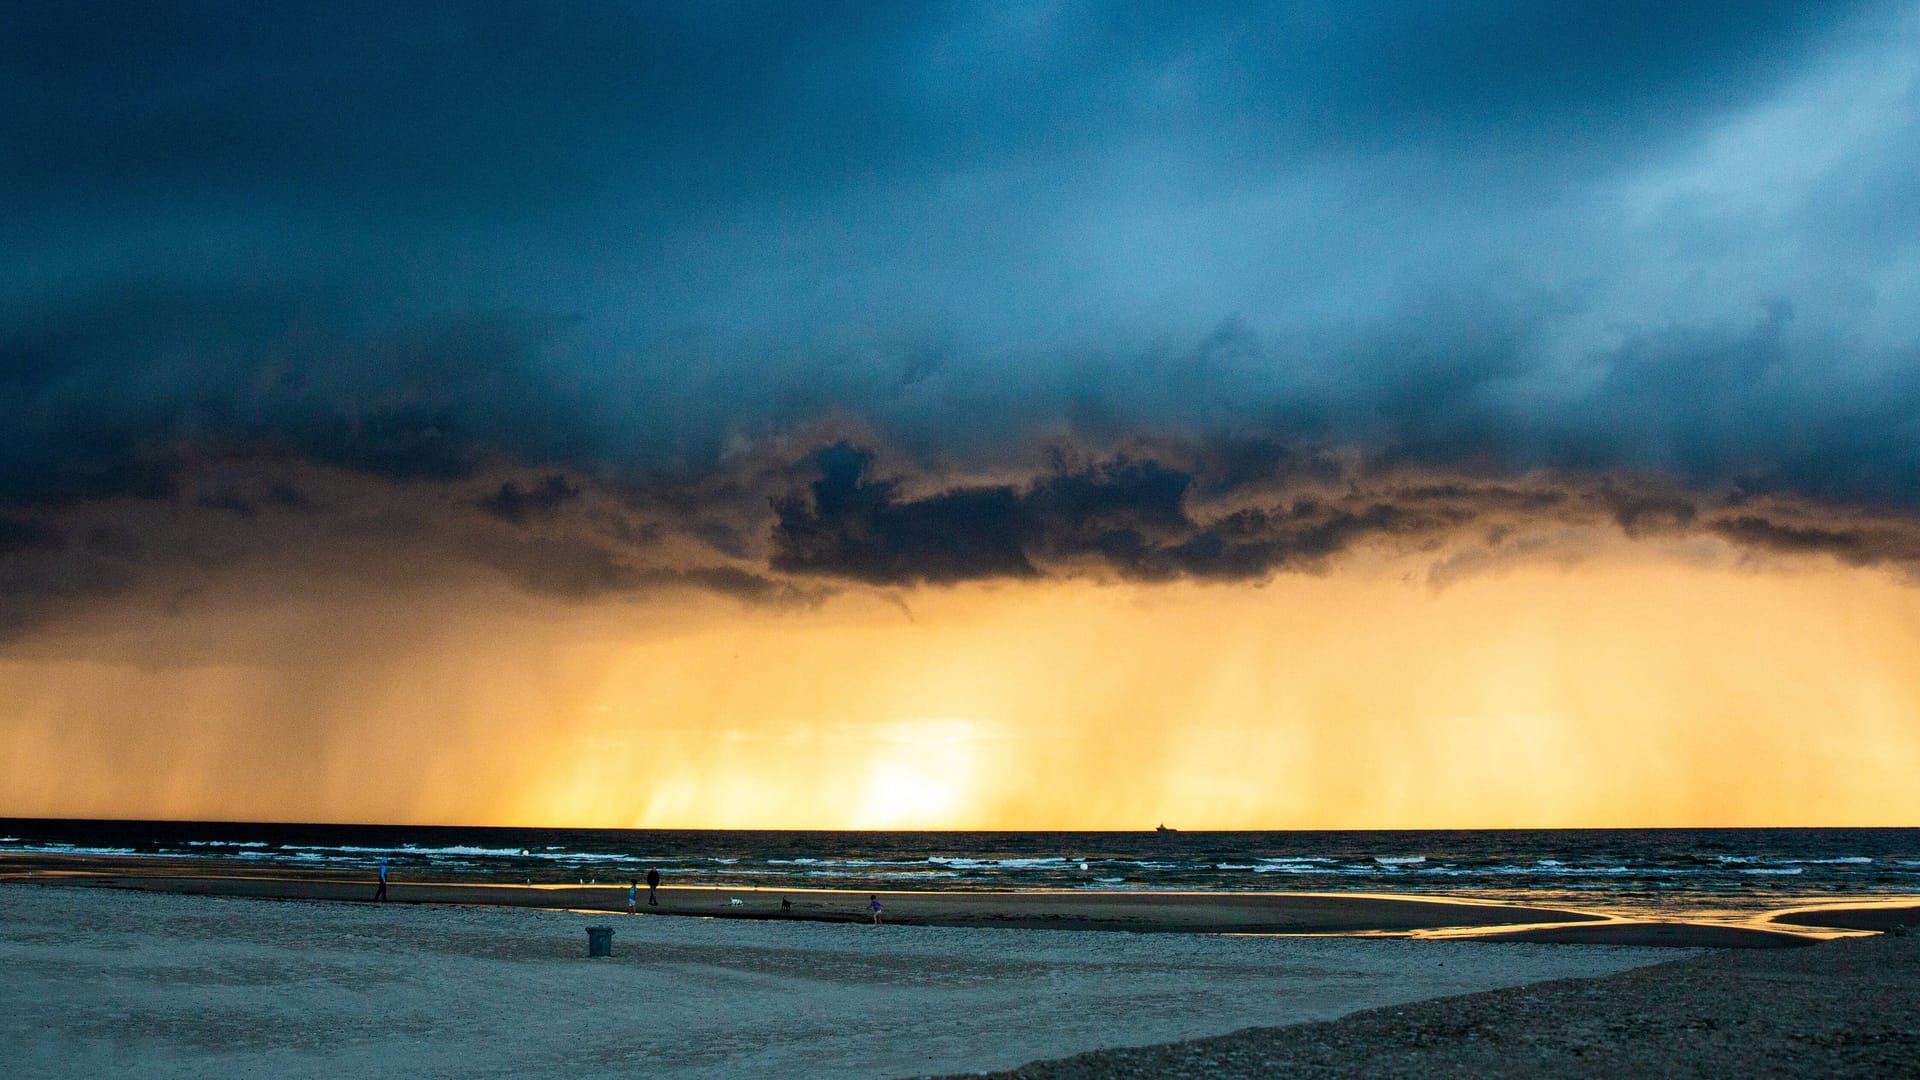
x=521, y=252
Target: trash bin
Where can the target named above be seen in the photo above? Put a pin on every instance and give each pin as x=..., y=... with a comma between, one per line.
x=599, y=941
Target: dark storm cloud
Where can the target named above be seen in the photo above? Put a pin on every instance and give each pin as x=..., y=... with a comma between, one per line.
x=737, y=583
x=1642, y=512
x=591, y=281
x=1140, y=520
x=851, y=517
x=1759, y=532
x=860, y=528
x=41, y=581
x=1859, y=543
x=517, y=504
x=493, y=102
x=1121, y=515
x=110, y=393
x=18, y=534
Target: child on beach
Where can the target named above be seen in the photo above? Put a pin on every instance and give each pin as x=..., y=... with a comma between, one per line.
x=873, y=906
x=633, y=896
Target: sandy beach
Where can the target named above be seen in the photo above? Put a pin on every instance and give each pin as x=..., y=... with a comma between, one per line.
x=207, y=985
x=1846, y=1008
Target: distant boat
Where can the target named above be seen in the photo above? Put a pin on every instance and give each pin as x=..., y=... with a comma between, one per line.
x=1163, y=828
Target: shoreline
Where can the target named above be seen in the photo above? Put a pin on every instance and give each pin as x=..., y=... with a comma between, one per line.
x=1137, y=911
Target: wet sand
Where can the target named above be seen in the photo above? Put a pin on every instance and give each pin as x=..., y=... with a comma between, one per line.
x=1652, y=933
x=1139, y=912
x=1876, y=917
x=101, y=981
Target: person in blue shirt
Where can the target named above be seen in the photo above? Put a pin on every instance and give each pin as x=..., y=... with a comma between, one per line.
x=381, y=893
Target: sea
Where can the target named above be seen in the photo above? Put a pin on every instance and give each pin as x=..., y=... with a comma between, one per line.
x=1625, y=871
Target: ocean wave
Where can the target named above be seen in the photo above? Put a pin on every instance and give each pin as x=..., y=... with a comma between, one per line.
x=848, y=862
x=1399, y=860
x=905, y=875
x=963, y=863
x=347, y=848
x=463, y=851
x=1792, y=860
x=457, y=852
x=74, y=849
x=1563, y=870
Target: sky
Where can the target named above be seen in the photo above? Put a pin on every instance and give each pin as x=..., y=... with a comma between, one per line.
x=1398, y=414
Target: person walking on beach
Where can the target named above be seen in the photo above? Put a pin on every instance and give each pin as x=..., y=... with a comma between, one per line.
x=381, y=893
x=873, y=907
x=633, y=896
x=653, y=887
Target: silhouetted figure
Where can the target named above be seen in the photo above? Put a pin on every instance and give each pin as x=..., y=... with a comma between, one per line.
x=873, y=906
x=381, y=893
x=786, y=906
x=633, y=896
x=653, y=887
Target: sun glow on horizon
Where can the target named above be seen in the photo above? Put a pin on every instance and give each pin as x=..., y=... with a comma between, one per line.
x=1624, y=690
x=920, y=776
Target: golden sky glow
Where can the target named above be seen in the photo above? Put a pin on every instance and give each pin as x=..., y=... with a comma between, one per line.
x=568, y=441
x=1630, y=687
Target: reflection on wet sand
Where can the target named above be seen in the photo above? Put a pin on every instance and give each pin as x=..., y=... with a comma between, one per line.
x=1277, y=913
